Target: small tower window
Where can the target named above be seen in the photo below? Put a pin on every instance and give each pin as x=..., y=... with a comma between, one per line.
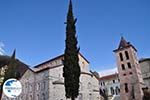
x=121, y=56
x=113, y=81
x=104, y=90
x=124, y=74
x=126, y=88
x=127, y=55
x=101, y=83
x=117, y=90
x=104, y=83
x=129, y=65
x=112, y=90
x=123, y=67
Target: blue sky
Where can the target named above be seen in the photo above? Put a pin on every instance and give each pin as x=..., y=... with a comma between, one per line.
x=36, y=28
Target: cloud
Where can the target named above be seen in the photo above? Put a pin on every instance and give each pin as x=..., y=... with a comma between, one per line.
x=108, y=72
x=1, y=48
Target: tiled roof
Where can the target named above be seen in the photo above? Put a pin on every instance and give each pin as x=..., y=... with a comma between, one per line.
x=58, y=57
x=124, y=44
x=144, y=59
x=109, y=76
x=37, y=70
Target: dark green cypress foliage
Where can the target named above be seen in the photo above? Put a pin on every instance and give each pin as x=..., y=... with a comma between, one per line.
x=11, y=71
x=71, y=70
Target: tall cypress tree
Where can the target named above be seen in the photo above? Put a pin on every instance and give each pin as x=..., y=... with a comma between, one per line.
x=11, y=71
x=71, y=70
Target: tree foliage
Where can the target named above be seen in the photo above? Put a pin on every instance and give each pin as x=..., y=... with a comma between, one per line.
x=11, y=71
x=71, y=70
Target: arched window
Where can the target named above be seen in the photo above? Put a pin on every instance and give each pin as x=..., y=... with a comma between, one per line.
x=90, y=97
x=43, y=96
x=104, y=90
x=38, y=98
x=104, y=83
x=117, y=90
x=129, y=65
x=44, y=85
x=127, y=55
x=89, y=85
x=30, y=87
x=38, y=86
x=112, y=90
x=126, y=88
x=123, y=67
x=121, y=56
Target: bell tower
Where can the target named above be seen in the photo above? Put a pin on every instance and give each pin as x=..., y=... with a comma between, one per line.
x=131, y=81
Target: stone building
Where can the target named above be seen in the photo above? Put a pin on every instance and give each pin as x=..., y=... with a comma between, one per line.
x=131, y=81
x=145, y=69
x=45, y=82
x=106, y=81
x=110, y=85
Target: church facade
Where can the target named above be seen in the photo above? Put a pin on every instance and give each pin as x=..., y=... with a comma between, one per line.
x=45, y=82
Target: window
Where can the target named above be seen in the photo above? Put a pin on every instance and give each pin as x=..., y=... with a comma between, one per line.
x=112, y=90
x=129, y=65
x=104, y=90
x=44, y=85
x=38, y=86
x=123, y=67
x=130, y=73
x=104, y=83
x=22, y=97
x=121, y=56
x=133, y=95
x=101, y=83
x=30, y=87
x=127, y=55
x=43, y=97
x=113, y=81
x=126, y=88
x=89, y=85
x=26, y=87
x=90, y=97
x=38, y=98
x=124, y=74
x=117, y=90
